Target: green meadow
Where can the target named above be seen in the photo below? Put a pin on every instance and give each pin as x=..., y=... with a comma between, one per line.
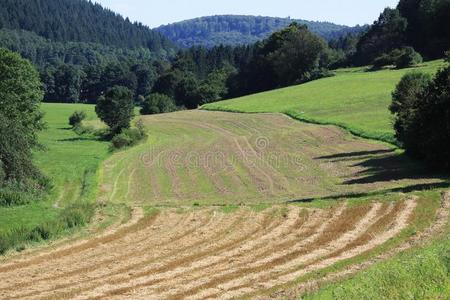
x=355, y=99
x=71, y=163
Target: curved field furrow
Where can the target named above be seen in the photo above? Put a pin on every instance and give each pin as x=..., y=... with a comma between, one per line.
x=230, y=239
x=280, y=260
x=257, y=247
x=161, y=233
x=99, y=256
x=113, y=234
x=195, y=248
x=156, y=247
x=306, y=263
x=137, y=263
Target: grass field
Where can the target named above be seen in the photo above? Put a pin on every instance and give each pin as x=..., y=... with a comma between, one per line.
x=232, y=205
x=70, y=161
x=353, y=99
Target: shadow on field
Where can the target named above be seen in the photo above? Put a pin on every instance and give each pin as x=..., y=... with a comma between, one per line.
x=391, y=167
x=78, y=139
x=406, y=189
x=380, y=166
x=337, y=157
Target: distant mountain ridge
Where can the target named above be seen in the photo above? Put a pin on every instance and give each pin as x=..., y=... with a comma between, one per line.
x=238, y=29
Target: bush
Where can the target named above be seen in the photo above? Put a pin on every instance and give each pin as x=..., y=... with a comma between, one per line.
x=121, y=141
x=4, y=245
x=43, y=232
x=129, y=137
x=15, y=194
x=408, y=58
x=422, y=116
x=158, y=104
x=2, y=173
x=400, y=58
x=76, y=216
x=76, y=118
x=383, y=60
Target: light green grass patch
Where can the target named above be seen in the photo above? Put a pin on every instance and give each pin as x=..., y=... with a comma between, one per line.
x=354, y=99
x=69, y=160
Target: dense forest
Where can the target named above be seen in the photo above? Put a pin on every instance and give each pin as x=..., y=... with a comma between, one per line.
x=81, y=50
x=81, y=72
x=79, y=21
x=421, y=24
x=242, y=30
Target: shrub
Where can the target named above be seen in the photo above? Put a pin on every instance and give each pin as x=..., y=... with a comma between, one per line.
x=12, y=197
x=121, y=141
x=15, y=193
x=76, y=216
x=383, y=60
x=400, y=58
x=76, y=118
x=407, y=58
x=2, y=173
x=128, y=137
x=4, y=244
x=43, y=232
x=158, y=104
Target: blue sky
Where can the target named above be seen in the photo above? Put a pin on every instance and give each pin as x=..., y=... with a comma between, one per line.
x=158, y=12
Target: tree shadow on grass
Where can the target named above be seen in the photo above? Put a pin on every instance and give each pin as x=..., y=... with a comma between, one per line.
x=357, y=154
x=384, y=166
x=380, y=166
x=406, y=189
x=80, y=139
x=391, y=167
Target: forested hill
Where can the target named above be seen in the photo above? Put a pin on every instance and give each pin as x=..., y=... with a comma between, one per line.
x=235, y=30
x=79, y=21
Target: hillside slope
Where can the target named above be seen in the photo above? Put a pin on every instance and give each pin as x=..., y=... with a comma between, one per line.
x=354, y=99
x=239, y=238
x=233, y=30
x=79, y=21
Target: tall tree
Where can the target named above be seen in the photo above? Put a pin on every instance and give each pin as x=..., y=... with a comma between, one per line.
x=385, y=35
x=116, y=108
x=20, y=116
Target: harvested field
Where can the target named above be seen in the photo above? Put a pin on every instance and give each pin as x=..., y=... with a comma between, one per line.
x=194, y=247
x=206, y=253
x=216, y=158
